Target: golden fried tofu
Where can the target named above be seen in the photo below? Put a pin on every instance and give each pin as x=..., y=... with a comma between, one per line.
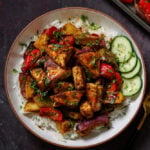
x=86, y=110
x=42, y=102
x=64, y=126
x=60, y=54
x=38, y=74
x=100, y=91
x=91, y=62
x=73, y=115
x=93, y=95
x=29, y=91
x=68, y=98
x=70, y=29
x=78, y=77
x=42, y=42
x=55, y=74
x=31, y=107
x=63, y=86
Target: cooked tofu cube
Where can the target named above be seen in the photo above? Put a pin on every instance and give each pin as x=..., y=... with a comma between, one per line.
x=31, y=107
x=86, y=110
x=56, y=74
x=79, y=77
x=41, y=102
x=70, y=29
x=93, y=94
x=39, y=75
x=64, y=126
x=68, y=98
x=29, y=91
x=60, y=54
x=42, y=42
x=63, y=86
x=90, y=61
x=73, y=115
x=100, y=91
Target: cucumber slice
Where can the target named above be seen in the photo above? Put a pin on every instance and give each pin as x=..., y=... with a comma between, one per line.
x=132, y=86
x=134, y=72
x=129, y=65
x=122, y=48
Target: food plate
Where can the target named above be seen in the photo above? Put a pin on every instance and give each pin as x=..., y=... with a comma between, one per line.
x=15, y=60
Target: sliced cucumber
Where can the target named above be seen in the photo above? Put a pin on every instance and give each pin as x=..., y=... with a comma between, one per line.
x=122, y=48
x=131, y=86
x=134, y=72
x=129, y=65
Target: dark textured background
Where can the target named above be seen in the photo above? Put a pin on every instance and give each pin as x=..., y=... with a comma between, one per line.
x=14, y=16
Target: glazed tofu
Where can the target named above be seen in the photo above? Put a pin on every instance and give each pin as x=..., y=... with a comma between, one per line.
x=90, y=61
x=31, y=107
x=63, y=86
x=60, y=54
x=86, y=110
x=29, y=91
x=68, y=98
x=55, y=74
x=78, y=77
x=93, y=96
x=70, y=29
x=39, y=75
x=41, y=102
x=64, y=126
x=42, y=42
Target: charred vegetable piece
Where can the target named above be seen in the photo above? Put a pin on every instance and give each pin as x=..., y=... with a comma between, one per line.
x=60, y=54
x=42, y=42
x=52, y=113
x=63, y=86
x=50, y=63
x=90, y=61
x=29, y=49
x=78, y=77
x=68, y=98
x=31, y=107
x=22, y=81
x=73, y=115
x=93, y=94
x=86, y=126
x=42, y=102
x=109, y=57
x=115, y=98
x=29, y=91
x=56, y=74
x=84, y=50
x=64, y=126
x=39, y=75
x=107, y=71
x=30, y=60
x=86, y=110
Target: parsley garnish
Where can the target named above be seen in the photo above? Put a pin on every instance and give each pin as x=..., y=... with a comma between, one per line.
x=15, y=70
x=94, y=26
x=47, y=81
x=70, y=88
x=84, y=18
x=60, y=84
x=93, y=62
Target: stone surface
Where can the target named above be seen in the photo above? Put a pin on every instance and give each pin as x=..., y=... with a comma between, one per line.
x=14, y=16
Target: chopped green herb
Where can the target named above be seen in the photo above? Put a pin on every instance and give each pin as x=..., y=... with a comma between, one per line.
x=74, y=93
x=23, y=44
x=57, y=35
x=60, y=84
x=109, y=70
x=89, y=44
x=47, y=81
x=42, y=51
x=93, y=62
x=43, y=94
x=70, y=88
x=75, y=103
x=15, y=70
x=65, y=101
x=77, y=41
x=94, y=26
x=48, y=39
x=84, y=18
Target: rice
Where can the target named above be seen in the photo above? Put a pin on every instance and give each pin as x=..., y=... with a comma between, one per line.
x=46, y=123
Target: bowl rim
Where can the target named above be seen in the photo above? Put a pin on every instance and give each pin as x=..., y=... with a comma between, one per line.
x=9, y=99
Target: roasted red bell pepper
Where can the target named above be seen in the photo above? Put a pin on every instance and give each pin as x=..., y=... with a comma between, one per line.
x=52, y=113
x=107, y=71
x=69, y=40
x=118, y=80
x=50, y=31
x=127, y=1
x=30, y=60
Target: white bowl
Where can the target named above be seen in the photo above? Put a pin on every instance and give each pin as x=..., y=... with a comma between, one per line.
x=14, y=60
